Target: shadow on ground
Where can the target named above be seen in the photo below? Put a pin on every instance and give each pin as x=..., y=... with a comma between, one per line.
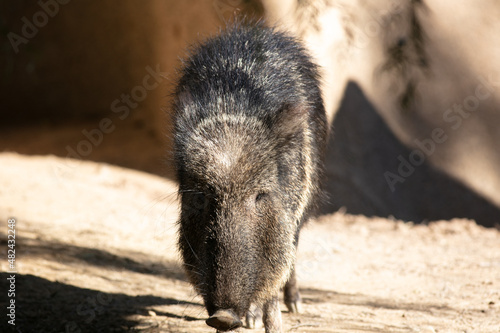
x=311, y=295
x=362, y=148
x=369, y=321
x=72, y=254
x=46, y=306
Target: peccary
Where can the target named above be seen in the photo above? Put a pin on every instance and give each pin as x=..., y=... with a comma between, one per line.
x=249, y=136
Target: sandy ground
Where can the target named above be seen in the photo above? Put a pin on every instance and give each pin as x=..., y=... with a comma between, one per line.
x=95, y=252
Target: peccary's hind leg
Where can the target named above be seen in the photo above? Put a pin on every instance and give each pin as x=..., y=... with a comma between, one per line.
x=272, y=316
x=292, y=295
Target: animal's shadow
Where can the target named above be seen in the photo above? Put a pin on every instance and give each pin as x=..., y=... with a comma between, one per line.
x=363, y=148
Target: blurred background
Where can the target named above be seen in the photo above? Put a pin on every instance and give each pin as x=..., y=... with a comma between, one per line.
x=412, y=90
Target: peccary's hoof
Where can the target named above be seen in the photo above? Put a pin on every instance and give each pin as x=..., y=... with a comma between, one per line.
x=224, y=320
x=294, y=306
x=254, y=317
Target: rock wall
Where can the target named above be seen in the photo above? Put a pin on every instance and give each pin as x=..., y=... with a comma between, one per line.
x=412, y=88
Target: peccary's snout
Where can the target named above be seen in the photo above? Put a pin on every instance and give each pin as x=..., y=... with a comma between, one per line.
x=224, y=320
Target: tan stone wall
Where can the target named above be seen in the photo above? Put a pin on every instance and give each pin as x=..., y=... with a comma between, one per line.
x=75, y=58
x=414, y=81
x=117, y=59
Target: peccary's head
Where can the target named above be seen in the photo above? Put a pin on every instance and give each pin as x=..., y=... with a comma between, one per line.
x=238, y=226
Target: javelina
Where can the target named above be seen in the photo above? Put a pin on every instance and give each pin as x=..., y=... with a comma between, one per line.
x=249, y=135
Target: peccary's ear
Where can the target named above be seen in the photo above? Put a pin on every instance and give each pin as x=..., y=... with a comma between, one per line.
x=184, y=98
x=184, y=105
x=292, y=119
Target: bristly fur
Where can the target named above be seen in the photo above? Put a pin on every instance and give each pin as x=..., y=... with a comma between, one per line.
x=249, y=137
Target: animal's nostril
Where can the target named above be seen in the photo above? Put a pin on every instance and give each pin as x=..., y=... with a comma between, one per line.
x=224, y=320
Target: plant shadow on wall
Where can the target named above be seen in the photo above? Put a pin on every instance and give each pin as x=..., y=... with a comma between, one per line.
x=361, y=150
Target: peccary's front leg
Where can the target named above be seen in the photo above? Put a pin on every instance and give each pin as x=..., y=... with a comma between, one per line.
x=292, y=295
x=272, y=316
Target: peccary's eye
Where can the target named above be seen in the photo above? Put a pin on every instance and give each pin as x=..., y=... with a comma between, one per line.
x=199, y=200
x=260, y=196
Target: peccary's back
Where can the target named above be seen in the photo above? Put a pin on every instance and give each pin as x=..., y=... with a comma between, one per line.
x=254, y=92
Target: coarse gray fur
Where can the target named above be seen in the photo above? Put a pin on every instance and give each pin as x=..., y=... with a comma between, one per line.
x=249, y=137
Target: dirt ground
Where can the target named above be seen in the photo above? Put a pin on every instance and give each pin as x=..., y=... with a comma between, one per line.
x=95, y=252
